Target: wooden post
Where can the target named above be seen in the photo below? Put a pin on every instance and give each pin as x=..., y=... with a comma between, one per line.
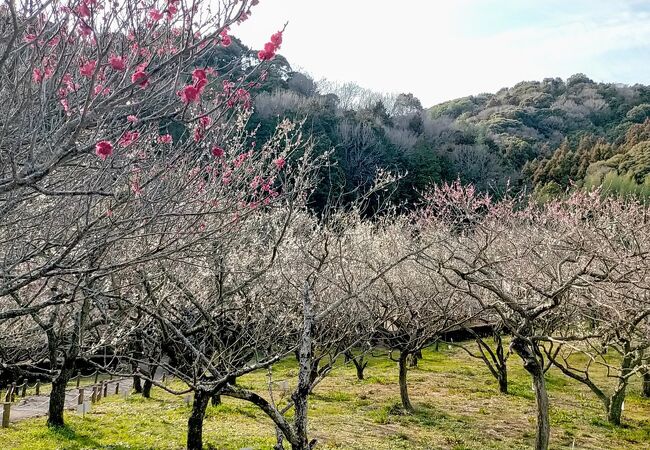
x=96, y=377
x=78, y=378
x=105, y=383
x=100, y=388
x=80, y=400
x=6, y=411
x=8, y=394
x=13, y=392
x=164, y=377
x=23, y=394
x=117, y=388
x=38, y=387
x=93, y=398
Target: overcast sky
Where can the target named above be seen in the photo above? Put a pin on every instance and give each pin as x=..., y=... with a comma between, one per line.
x=444, y=49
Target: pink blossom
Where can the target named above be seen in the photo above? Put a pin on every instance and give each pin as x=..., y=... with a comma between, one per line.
x=217, y=152
x=84, y=29
x=37, y=76
x=117, y=62
x=155, y=15
x=83, y=10
x=165, y=139
x=198, y=74
x=280, y=163
x=263, y=55
x=172, y=9
x=103, y=149
x=239, y=160
x=136, y=188
x=132, y=119
x=205, y=121
x=201, y=84
x=276, y=39
x=257, y=181
x=271, y=47
x=100, y=89
x=225, y=39
x=31, y=37
x=69, y=82
x=189, y=94
x=128, y=138
x=200, y=79
x=88, y=68
x=140, y=78
x=48, y=71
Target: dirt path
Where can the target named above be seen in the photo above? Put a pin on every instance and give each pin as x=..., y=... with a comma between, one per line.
x=37, y=405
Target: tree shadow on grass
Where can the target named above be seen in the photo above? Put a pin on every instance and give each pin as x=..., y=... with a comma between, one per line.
x=83, y=441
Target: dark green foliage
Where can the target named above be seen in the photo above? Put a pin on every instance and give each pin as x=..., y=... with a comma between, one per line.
x=546, y=135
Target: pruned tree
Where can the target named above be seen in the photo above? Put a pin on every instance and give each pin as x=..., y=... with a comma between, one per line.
x=611, y=316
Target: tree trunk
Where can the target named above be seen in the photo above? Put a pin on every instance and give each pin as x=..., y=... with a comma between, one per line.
x=646, y=385
x=615, y=411
x=137, y=384
x=543, y=422
x=527, y=352
x=300, y=396
x=503, y=379
x=360, y=366
x=403, y=387
x=195, y=422
x=502, y=365
x=57, y=402
x=146, y=389
x=358, y=361
x=215, y=399
x=57, y=395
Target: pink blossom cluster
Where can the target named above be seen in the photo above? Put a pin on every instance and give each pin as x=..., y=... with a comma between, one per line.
x=271, y=47
x=191, y=93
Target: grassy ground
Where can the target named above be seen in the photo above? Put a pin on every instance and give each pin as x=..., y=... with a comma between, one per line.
x=457, y=407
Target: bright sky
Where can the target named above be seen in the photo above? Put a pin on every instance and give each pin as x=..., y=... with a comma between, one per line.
x=444, y=49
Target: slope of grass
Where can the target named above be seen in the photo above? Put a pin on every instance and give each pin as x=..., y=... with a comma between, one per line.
x=457, y=407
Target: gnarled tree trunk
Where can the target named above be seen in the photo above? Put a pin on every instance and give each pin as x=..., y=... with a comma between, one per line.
x=403, y=387
x=615, y=410
x=300, y=396
x=529, y=355
x=146, y=389
x=57, y=395
x=359, y=362
x=195, y=422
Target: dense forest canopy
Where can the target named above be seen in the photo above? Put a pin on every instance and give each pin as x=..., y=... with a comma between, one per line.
x=543, y=136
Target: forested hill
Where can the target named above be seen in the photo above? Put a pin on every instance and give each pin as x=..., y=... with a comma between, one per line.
x=557, y=133
x=543, y=135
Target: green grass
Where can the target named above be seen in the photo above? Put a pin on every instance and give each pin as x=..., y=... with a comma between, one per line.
x=456, y=400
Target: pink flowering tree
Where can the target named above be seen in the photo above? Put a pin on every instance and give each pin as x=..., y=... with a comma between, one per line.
x=81, y=83
x=93, y=180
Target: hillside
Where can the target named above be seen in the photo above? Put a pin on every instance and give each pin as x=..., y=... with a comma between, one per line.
x=540, y=135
